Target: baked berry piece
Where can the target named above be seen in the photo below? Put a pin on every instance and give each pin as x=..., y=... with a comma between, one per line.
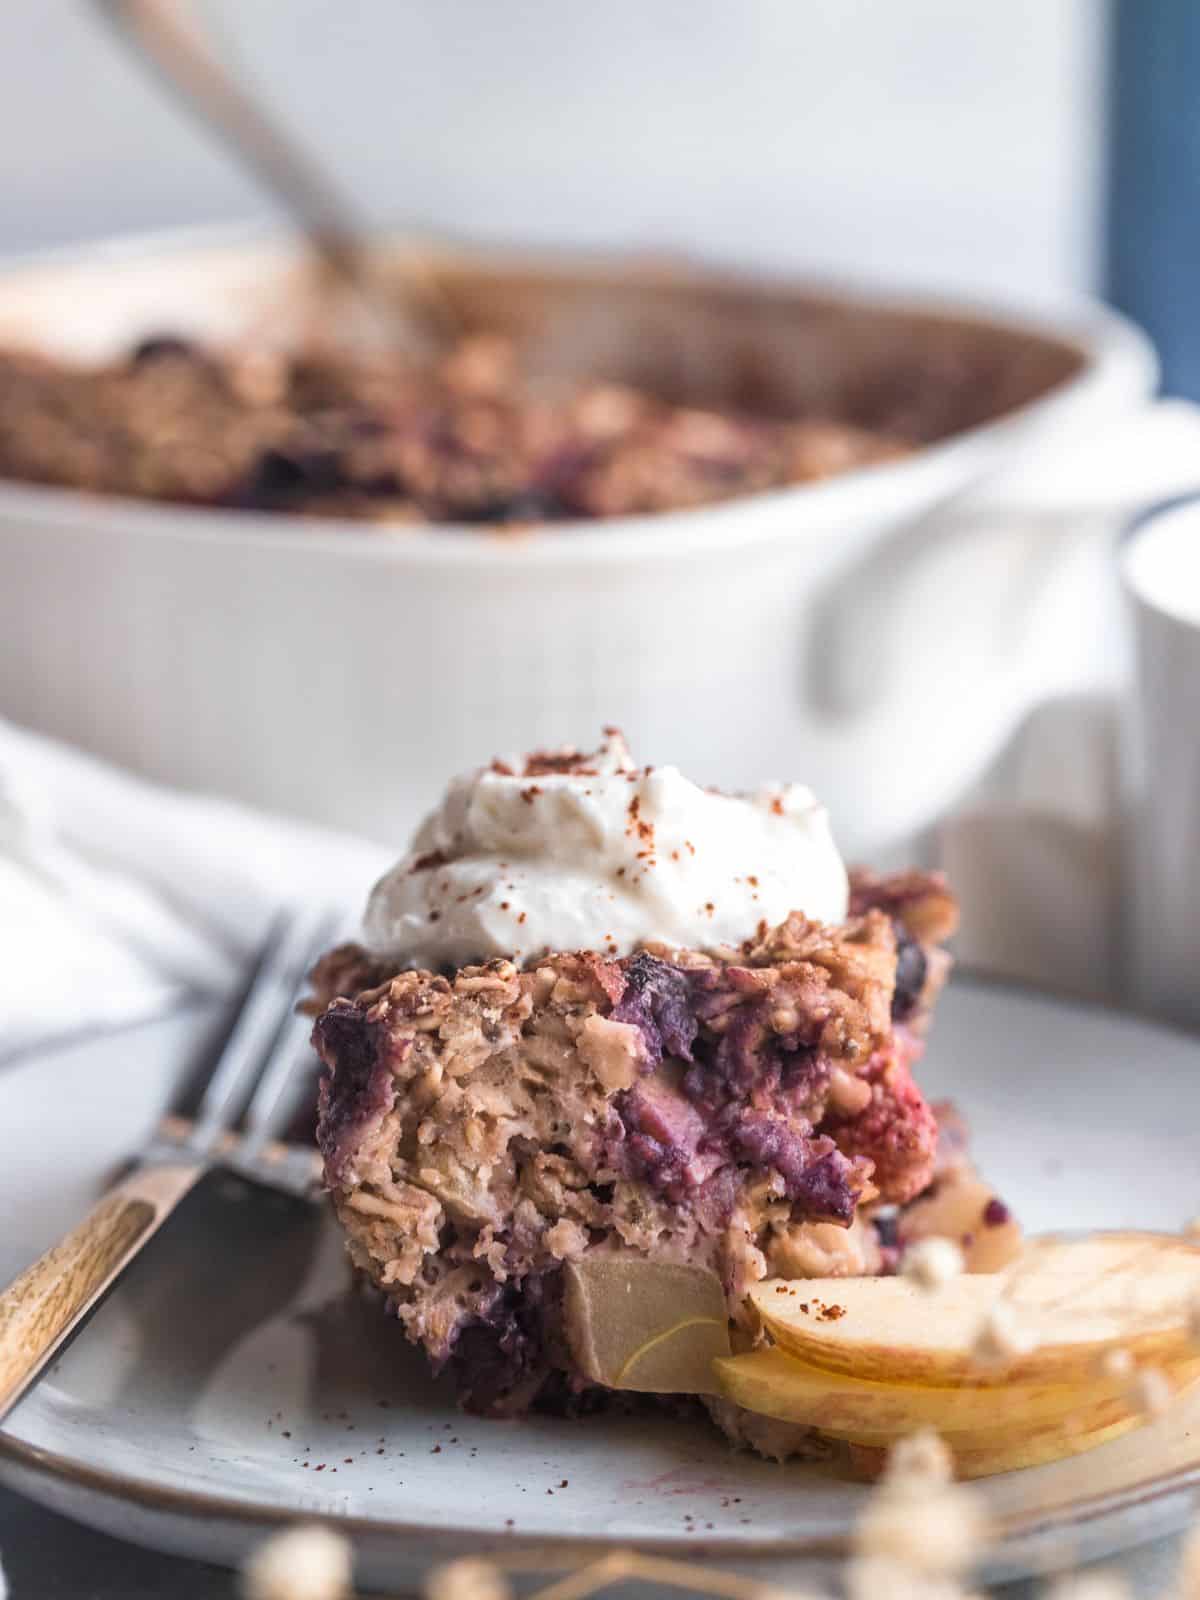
x=616, y=1047
x=745, y=1110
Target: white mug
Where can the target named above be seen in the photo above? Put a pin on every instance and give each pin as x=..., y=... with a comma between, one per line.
x=1161, y=573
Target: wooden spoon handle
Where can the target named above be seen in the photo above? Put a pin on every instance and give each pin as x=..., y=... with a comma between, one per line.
x=44, y=1306
x=169, y=38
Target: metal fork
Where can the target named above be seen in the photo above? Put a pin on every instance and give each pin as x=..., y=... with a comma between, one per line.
x=51, y=1299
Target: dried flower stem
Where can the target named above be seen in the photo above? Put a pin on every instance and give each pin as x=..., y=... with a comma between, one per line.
x=612, y=1568
x=621, y=1565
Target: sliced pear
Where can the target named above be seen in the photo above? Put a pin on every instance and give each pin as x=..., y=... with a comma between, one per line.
x=1040, y=1450
x=1073, y=1299
x=653, y=1326
x=777, y=1384
x=1090, y=1416
x=868, y=1459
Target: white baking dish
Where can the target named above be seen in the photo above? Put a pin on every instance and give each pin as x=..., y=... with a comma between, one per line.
x=340, y=672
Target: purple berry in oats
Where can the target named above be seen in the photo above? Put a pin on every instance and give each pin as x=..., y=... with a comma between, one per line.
x=887, y=1230
x=282, y=475
x=750, y=1058
x=911, y=971
x=162, y=346
x=657, y=1000
x=653, y=1110
x=743, y=1056
x=816, y=1176
x=996, y=1213
x=362, y=1089
x=663, y=1139
x=530, y=505
x=502, y=1352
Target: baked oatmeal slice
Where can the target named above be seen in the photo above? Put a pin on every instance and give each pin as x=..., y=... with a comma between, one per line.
x=744, y=1111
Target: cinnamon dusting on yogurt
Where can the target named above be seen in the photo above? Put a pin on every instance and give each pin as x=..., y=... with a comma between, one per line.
x=598, y=853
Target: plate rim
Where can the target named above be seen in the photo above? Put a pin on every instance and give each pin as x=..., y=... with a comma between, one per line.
x=202, y=1506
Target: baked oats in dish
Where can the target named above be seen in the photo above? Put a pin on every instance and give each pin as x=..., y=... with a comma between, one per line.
x=470, y=438
x=615, y=1048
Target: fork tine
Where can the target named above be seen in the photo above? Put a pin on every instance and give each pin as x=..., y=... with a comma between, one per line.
x=288, y=1053
x=247, y=1050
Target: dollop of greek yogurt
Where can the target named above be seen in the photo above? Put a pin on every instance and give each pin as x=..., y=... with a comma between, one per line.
x=568, y=851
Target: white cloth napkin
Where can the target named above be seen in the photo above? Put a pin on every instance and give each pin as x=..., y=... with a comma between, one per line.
x=119, y=898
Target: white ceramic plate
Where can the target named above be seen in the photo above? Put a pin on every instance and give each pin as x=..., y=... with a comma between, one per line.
x=232, y=1382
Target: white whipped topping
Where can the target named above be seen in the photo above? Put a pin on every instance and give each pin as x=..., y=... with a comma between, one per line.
x=603, y=856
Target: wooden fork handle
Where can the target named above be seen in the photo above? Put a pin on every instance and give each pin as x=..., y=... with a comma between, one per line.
x=44, y=1306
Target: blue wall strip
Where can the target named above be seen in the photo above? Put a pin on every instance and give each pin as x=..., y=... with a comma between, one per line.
x=1153, y=227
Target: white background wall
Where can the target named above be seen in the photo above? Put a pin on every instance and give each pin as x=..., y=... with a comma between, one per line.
x=925, y=140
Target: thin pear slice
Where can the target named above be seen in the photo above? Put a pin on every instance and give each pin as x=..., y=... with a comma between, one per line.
x=868, y=1460
x=1089, y=1417
x=653, y=1326
x=777, y=1384
x=1071, y=1300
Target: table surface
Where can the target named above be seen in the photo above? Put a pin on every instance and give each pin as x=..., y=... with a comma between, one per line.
x=48, y=1558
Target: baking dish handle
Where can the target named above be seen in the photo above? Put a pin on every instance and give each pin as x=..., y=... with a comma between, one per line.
x=930, y=617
